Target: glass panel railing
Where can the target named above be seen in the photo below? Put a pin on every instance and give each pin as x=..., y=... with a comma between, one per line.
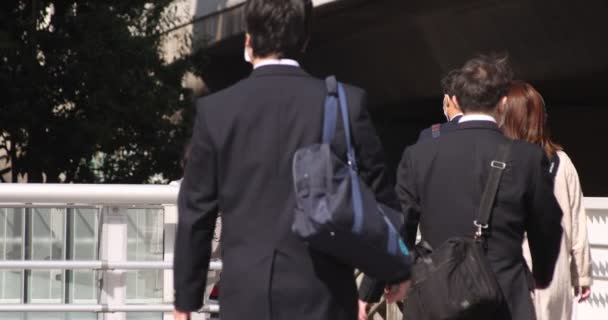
x=144, y=316
x=84, y=225
x=145, y=242
x=46, y=239
x=48, y=316
x=48, y=236
x=11, y=248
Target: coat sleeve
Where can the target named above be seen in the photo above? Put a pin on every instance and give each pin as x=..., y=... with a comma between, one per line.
x=371, y=290
x=372, y=169
x=371, y=159
x=581, y=256
x=197, y=212
x=544, y=221
x=408, y=199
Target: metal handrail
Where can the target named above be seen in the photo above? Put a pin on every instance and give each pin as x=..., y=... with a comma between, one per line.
x=595, y=203
x=92, y=265
x=111, y=194
x=104, y=308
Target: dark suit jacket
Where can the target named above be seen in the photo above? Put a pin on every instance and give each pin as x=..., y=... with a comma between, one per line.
x=443, y=128
x=242, y=148
x=439, y=185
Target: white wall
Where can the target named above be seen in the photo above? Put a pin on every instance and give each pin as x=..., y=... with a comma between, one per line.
x=597, y=224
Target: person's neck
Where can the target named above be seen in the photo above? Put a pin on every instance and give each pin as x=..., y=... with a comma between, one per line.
x=454, y=115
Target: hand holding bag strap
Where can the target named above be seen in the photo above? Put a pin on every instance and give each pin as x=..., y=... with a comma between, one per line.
x=352, y=163
x=331, y=110
x=491, y=188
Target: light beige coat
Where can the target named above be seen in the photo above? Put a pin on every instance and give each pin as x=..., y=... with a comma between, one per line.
x=573, y=268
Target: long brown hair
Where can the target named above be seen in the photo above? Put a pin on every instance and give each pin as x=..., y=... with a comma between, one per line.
x=524, y=117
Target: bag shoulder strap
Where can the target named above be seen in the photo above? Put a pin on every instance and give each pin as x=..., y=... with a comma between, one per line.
x=336, y=94
x=497, y=167
x=351, y=160
x=331, y=109
x=350, y=150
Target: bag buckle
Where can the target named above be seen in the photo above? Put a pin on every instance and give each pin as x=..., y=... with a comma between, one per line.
x=498, y=165
x=480, y=228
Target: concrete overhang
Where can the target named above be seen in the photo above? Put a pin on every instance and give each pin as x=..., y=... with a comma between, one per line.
x=218, y=20
x=398, y=50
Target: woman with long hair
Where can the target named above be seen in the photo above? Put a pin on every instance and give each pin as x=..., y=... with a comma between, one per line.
x=523, y=117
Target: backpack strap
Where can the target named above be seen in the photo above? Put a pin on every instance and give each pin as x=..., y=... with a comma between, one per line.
x=436, y=130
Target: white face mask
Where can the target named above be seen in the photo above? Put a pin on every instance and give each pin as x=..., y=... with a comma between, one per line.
x=247, y=57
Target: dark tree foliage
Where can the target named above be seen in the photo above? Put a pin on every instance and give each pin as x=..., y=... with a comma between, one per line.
x=85, y=93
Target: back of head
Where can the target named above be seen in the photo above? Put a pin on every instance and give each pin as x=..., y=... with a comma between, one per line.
x=480, y=83
x=278, y=28
x=523, y=117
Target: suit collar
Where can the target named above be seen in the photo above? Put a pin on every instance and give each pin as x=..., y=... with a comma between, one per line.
x=279, y=70
x=456, y=118
x=489, y=125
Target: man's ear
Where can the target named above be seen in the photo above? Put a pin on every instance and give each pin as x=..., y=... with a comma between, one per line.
x=502, y=105
x=248, y=48
x=247, y=40
x=454, y=102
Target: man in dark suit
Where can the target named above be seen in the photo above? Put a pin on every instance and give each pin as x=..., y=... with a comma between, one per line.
x=440, y=183
x=240, y=163
x=451, y=111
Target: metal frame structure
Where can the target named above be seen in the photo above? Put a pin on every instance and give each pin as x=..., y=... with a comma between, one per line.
x=6, y=265
x=99, y=308
x=112, y=203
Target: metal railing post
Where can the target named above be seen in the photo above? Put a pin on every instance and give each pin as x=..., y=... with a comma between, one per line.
x=170, y=226
x=114, y=248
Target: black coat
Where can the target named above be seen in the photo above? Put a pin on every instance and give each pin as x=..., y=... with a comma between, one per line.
x=241, y=164
x=439, y=185
x=445, y=127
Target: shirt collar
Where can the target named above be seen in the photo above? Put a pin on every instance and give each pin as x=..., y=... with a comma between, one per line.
x=284, y=62
x=456, y=116
x=476, y=117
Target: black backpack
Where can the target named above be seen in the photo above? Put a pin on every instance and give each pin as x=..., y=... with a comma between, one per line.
x=455, y=281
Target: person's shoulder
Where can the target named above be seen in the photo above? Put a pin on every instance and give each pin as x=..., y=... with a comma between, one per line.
x=353, y=89
x=350, y=89
x=424, y=134
x=527, y=149
x=564, y=158
x=529, y=155
x=424, y=146
x=441, y=128
x=566, y=166
x=216, y=98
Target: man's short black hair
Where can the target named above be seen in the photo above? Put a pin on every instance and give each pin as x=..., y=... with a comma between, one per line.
x=446, y=83
x=278, y=27
x=480, y=83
